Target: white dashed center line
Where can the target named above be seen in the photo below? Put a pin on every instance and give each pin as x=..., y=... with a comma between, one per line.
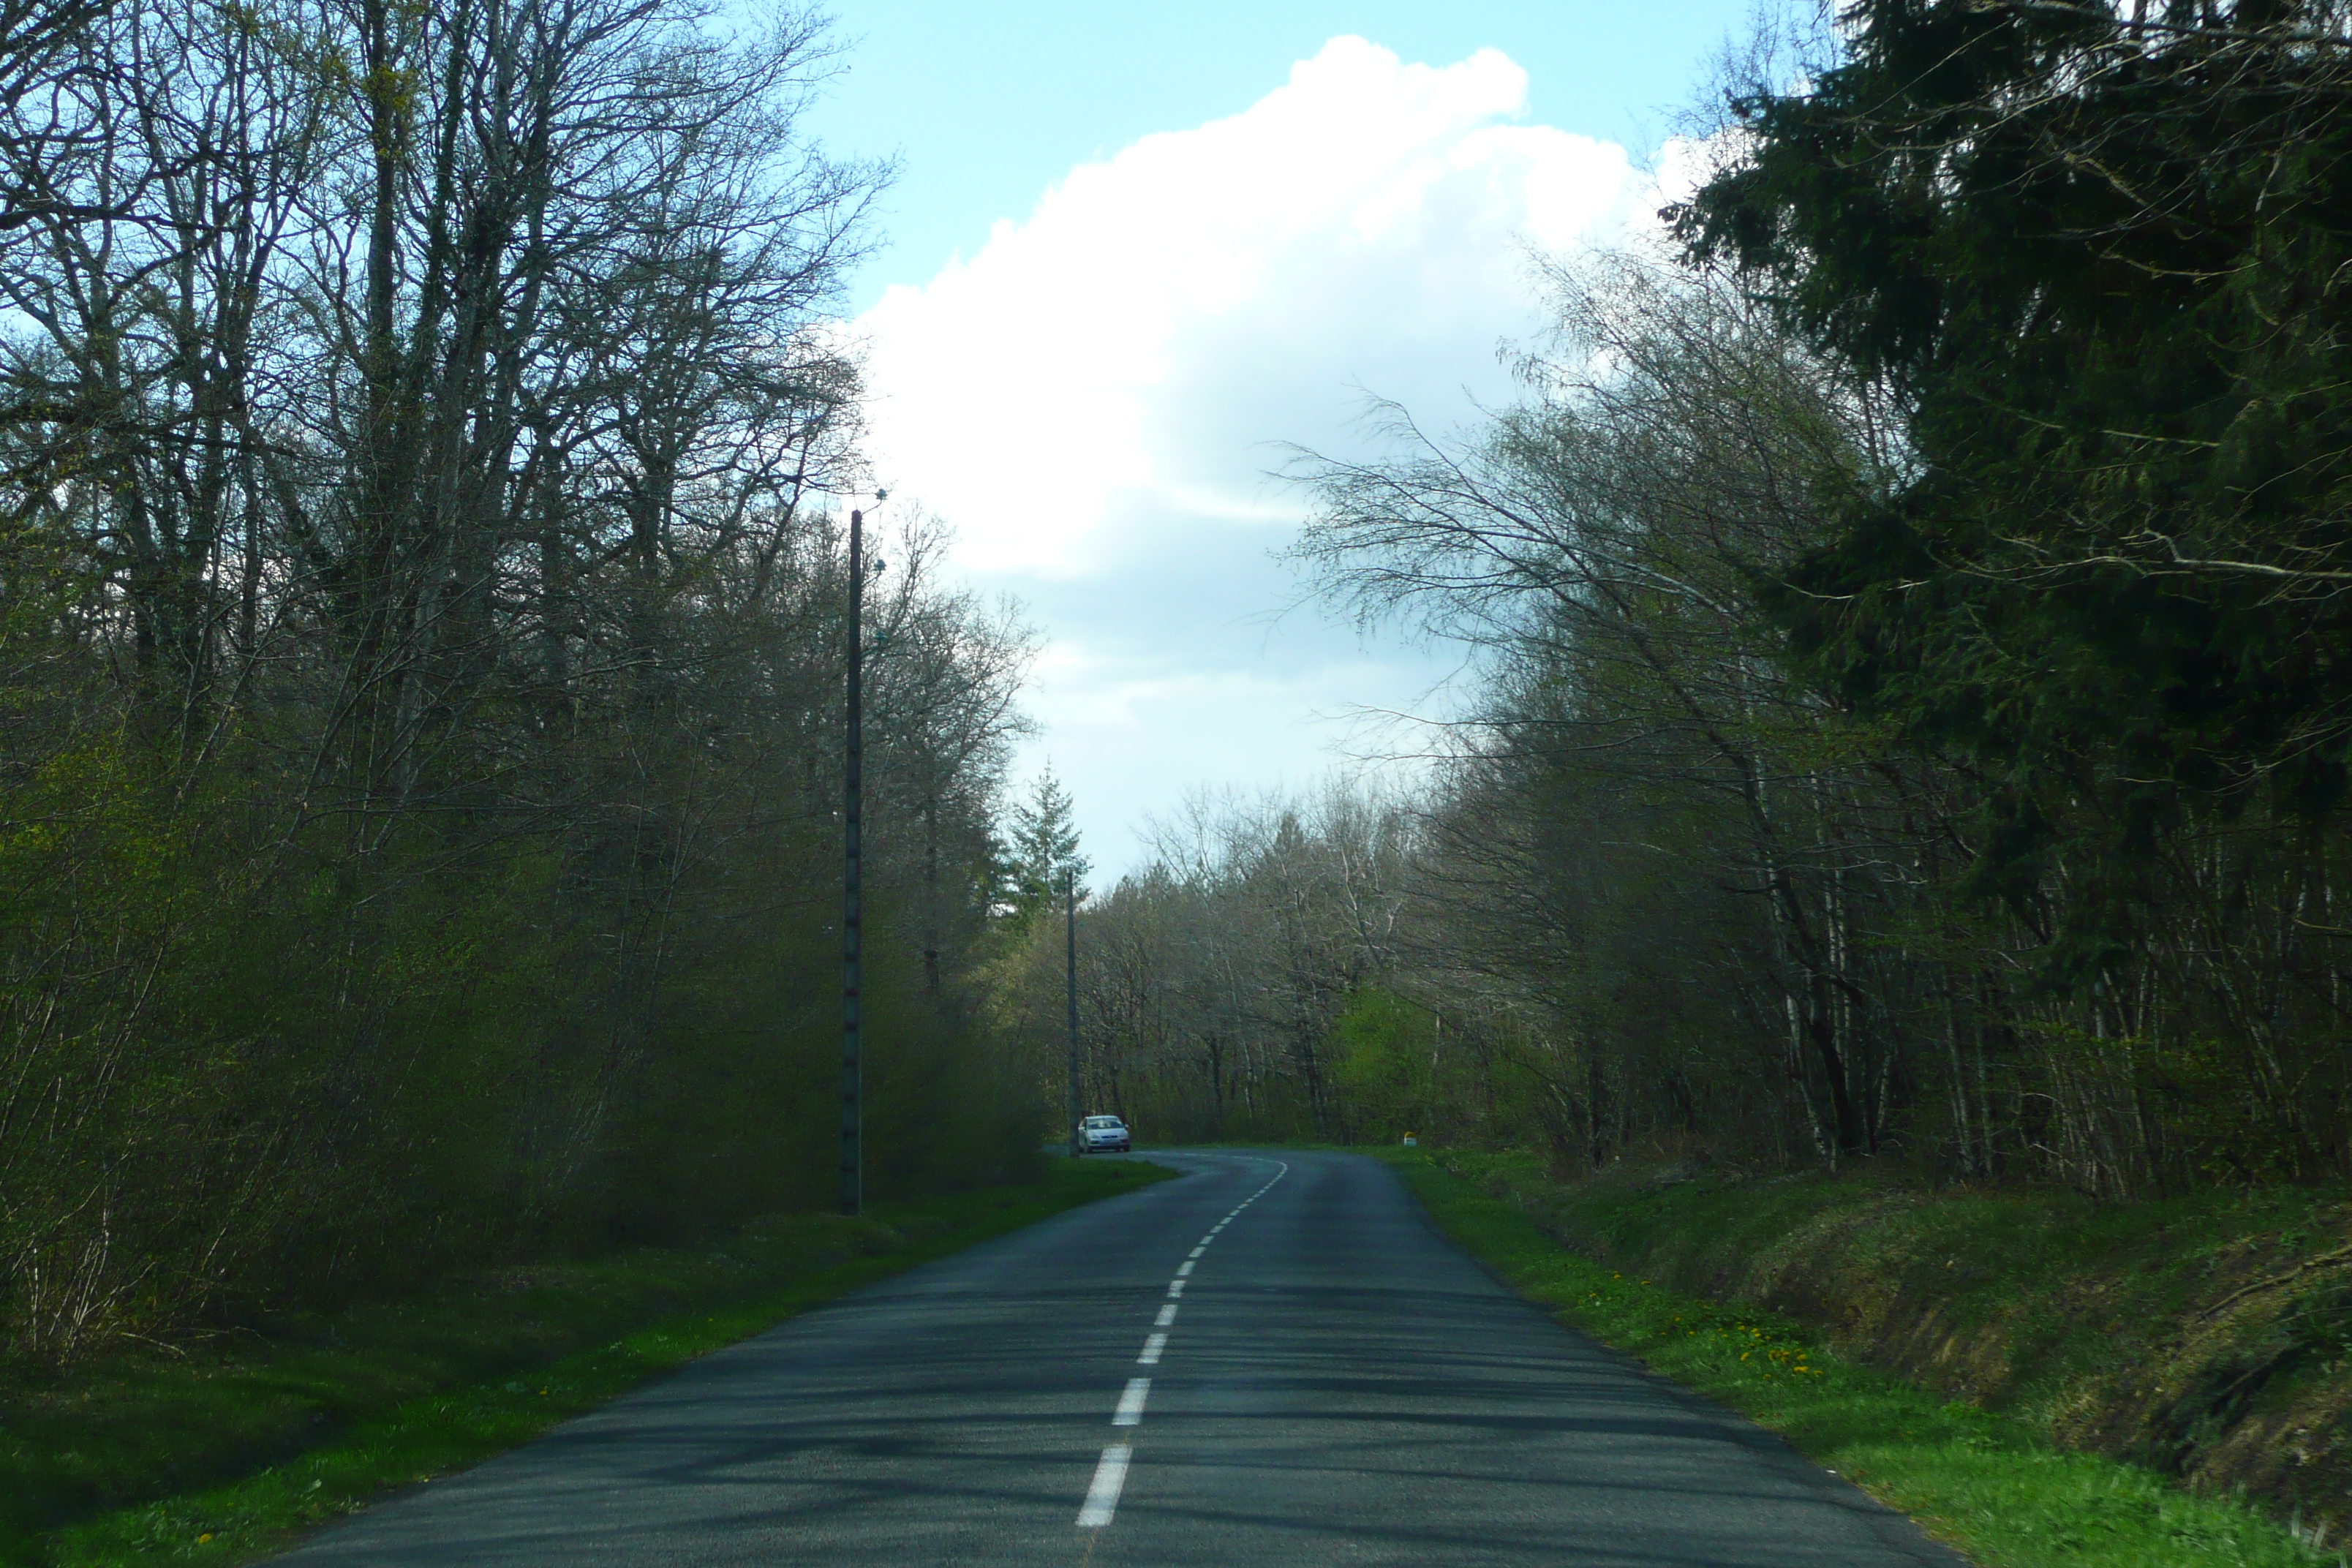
x=1110, y=1473
x=1102, y=1498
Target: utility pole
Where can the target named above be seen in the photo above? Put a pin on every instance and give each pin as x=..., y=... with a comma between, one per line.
x=1077, y=1144
x=852, y=916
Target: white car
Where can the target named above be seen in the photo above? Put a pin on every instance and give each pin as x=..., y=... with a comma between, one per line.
x=1103, y=1134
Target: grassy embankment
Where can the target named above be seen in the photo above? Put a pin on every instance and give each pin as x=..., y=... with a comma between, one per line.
x=2029, y=1376
x=230, y=1449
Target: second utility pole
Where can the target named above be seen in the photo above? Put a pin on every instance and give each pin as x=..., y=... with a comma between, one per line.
x=1078, y=1141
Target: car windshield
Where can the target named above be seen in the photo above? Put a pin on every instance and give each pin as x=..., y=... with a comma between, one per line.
x=1102, y=1121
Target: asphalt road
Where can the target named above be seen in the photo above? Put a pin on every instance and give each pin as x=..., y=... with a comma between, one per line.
x=1336, y=1385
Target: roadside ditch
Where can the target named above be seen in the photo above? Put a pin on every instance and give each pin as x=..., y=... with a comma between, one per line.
x=2036, y=1376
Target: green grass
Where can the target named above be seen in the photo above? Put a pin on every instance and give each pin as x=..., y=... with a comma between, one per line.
x=2205, y=1335
x=1988, y=1484
x=2071, y=1289
x=227, y=1455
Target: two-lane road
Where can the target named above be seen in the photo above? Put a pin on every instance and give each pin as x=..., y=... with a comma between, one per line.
x=1272, y=1360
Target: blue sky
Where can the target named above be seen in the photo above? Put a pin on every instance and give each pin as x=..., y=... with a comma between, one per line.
x=1136, y=251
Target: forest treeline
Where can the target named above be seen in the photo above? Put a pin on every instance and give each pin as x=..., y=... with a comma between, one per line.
x=1908, y=605
x=427, y=434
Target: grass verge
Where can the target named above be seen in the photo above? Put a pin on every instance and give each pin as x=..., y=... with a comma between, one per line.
x=224, y=1456
x=1986, y=1484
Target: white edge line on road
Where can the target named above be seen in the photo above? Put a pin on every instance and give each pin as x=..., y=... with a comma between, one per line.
x=1102, y=1498
x=1151, y=1349
x=1167, y=1316
x=1131, y=1404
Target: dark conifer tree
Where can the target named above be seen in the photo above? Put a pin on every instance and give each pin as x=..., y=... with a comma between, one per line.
x=2099, y=253
x=1044, y=859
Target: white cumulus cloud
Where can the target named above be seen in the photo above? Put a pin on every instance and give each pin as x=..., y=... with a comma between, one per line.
x=1092, y=399
x=1366, y=214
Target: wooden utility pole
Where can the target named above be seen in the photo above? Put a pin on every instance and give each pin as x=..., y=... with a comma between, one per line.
x=852, y=915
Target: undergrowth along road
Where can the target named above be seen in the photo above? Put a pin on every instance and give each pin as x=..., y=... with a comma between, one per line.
x=1989, y=1484
x=223, y=1455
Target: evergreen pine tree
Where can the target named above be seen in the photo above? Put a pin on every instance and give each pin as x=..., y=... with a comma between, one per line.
x=2091, y=254
x=1044, y=856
